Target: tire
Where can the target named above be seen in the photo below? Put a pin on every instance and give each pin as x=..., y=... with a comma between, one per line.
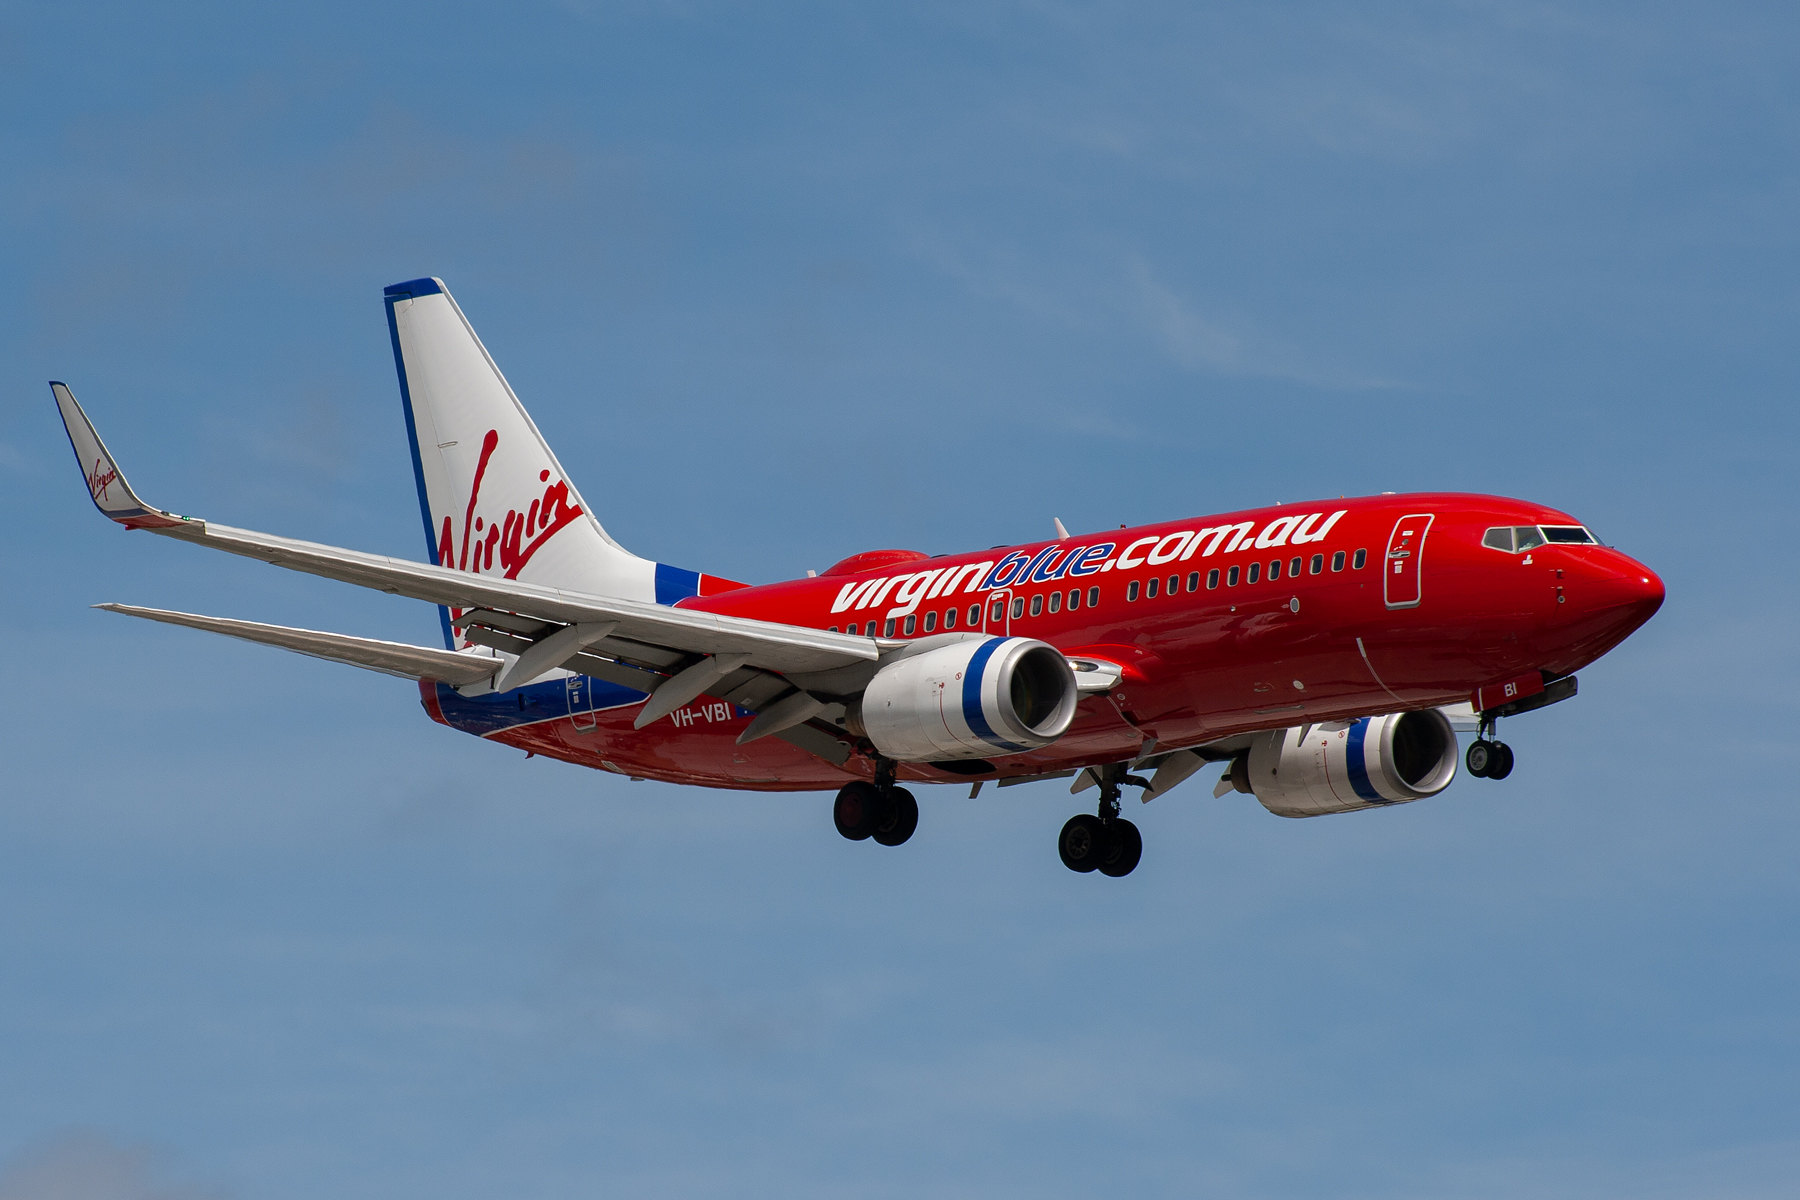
x=856, y=810
x=1082, y=843
x=1126, y=848
x=901, y=818
x=1502, y=765
x=1480, y=758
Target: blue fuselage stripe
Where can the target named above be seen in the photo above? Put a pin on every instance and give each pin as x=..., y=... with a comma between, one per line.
x=528, y=705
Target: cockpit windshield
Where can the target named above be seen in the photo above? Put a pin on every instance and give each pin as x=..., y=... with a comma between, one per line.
x=1516, y=539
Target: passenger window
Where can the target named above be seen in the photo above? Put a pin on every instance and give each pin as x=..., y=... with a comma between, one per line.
x=999, y=612
x=1231, y=577
x=1131, y=590
x=855, y=629
x=1274, y=570
x=1337, y=561
x=1255, y=573
x=1569, y=534
x=1093, y=597
x=1212, y=578
x=975, y=614
x=1074, y=599
x=1498, y=538
x=1294, y=568
x=834, y=629
x=1318, y=563
x=949, y=618
x=1194, y=581
x=1526, y=537
x=1037, y=605
x=1018, y=607
x=1055, y=602
x=1362, y=556
x=930, y=621
x=1174, y=584
x=1150, y=589
x=889, y=628
x=912, y=622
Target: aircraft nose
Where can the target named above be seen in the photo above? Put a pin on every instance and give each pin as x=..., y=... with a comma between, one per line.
x=1625, y=585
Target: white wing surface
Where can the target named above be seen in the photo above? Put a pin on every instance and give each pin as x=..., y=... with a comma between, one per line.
x=662, y=634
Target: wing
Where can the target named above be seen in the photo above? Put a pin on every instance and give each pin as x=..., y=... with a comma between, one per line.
x=659, y=630
x=390, y=658
x=674, y=653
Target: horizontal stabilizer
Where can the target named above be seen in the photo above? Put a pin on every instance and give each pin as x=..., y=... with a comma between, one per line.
x=390, y=658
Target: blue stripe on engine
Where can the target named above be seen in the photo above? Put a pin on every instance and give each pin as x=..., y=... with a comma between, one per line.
x=673, y=583
x=972, y=714
x=1359, y=770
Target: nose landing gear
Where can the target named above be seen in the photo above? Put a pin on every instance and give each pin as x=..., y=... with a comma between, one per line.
x=1488, y=758
x=1105, y=842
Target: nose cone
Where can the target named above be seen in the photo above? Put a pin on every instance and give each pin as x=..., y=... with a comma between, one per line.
x=1622, y=590
x=1638, y=588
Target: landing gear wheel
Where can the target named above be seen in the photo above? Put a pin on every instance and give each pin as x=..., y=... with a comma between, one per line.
x=1502, y=763
x=1082, y=843
x=857, y=809
x=1480, y=757
x=1125, y=845
x=899, y=818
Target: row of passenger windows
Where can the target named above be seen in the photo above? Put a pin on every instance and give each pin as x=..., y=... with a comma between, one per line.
x=1055, y=601
x=1516, y=539
x=1251, y=574
x=928, y=622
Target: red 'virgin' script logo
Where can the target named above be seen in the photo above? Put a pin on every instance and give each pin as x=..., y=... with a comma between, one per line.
x=513, y=539
x=99, y=481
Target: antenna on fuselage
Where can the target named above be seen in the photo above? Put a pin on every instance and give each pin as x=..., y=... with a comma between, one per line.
x=1062, y=535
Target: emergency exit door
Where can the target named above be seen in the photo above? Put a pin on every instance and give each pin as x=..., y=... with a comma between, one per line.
x=1401, y=585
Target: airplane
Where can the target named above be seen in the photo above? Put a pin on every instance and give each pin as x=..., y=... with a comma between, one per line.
x=1326, y=653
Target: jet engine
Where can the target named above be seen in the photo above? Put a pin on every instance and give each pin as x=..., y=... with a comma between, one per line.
x=969, y=699
x=1311, y=770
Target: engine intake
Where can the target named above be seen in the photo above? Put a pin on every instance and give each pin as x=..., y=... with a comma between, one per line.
x=970, y=699
x=1311, y=770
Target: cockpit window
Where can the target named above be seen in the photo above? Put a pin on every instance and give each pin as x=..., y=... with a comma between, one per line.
x=1516, y=539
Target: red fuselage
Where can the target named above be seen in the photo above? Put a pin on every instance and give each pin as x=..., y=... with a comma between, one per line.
x=1218, y=634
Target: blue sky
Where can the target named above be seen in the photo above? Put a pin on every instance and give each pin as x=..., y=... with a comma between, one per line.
x=786, y=282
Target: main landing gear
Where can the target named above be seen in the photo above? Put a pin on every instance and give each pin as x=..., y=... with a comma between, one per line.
x=878, y=810
x=1488, y=758
x=1105, y=842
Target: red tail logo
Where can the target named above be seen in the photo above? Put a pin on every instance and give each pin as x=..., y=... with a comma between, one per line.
x=98, y=482
x=514, y=538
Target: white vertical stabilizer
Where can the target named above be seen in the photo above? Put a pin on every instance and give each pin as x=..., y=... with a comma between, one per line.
x=494, y=499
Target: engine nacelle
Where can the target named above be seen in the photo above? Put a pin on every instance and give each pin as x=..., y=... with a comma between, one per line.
x=1311, y=770
x=970, y=699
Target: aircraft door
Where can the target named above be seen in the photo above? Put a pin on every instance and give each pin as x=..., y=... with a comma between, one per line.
x=1401, y=585
x=996, y=617
x=580, y=692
